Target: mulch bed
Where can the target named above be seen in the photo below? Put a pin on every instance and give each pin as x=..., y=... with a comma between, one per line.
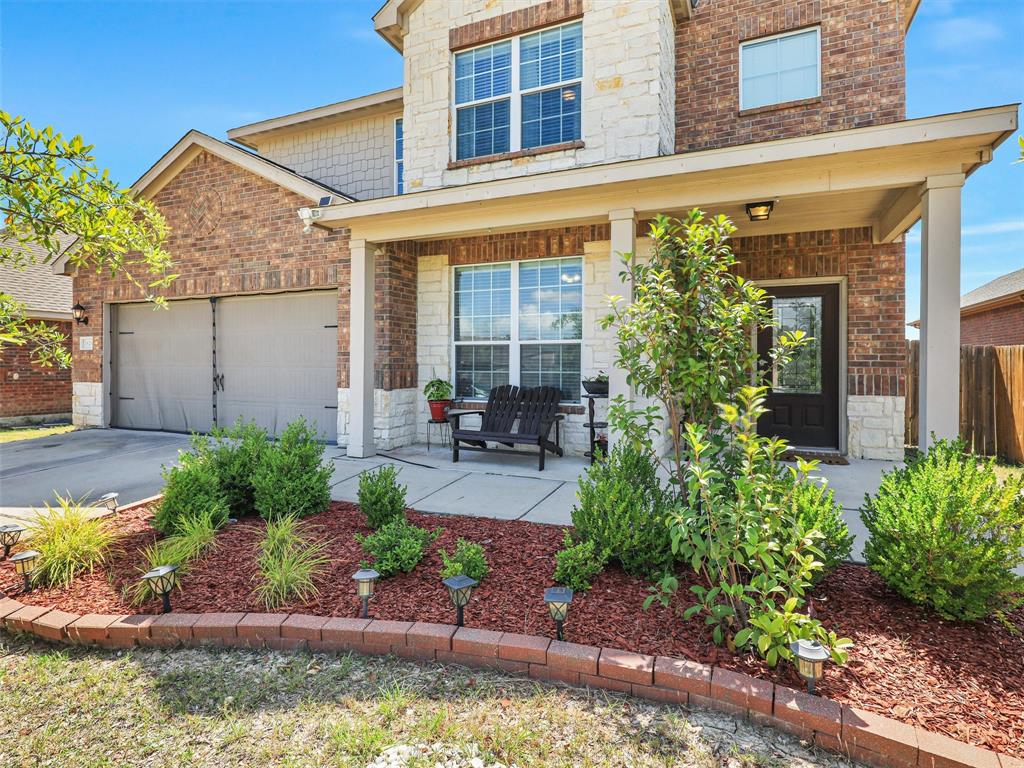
x=964, y=680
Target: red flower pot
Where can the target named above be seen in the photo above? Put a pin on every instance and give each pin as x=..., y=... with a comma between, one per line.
x=439, y=408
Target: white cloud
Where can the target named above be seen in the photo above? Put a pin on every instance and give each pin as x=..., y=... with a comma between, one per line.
x=959, y=32
x=992, y=228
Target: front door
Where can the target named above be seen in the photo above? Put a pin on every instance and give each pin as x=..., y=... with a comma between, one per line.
x=803, y=400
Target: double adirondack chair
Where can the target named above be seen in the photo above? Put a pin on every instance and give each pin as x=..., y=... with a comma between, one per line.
x=513, y=416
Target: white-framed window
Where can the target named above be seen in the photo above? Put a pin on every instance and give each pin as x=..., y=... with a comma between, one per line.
x=399, y=151
x=781, y=68
x=518, y=322
x=519, y=93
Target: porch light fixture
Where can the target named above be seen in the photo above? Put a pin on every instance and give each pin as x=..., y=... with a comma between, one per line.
x=25, y=566
x=108, y=500
x=810, y=659
x=161, y=581
x=365, y=579
x=9, y=535
x=78, y=312
x=459, y=590
x=558, y=600
x=760, y=211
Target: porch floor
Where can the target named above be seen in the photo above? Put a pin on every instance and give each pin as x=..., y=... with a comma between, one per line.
x=510, y=487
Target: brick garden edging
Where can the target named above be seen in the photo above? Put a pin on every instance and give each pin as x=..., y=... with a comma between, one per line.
x=859, y=734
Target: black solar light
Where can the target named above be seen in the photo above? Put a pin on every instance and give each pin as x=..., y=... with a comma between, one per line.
x=9, y=535
x=459, y=590
x=161, y=581
x=558, y=599
x=810, y=659
x=108, y=500
x=365, y=579
x=25, y=566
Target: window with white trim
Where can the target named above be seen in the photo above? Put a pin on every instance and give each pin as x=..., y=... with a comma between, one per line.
x=782, y=68
x=399, y=162
x=520, y=93
x=518, y=323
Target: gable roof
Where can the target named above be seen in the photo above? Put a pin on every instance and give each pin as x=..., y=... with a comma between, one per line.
x=1002, y=287
x=45, y=295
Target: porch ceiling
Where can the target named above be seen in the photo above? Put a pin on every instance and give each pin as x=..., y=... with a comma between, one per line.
x=861, y=177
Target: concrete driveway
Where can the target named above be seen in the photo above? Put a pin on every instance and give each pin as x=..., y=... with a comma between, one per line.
x=88, y=462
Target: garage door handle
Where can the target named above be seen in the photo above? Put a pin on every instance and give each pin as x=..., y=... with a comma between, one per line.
x=218, y=382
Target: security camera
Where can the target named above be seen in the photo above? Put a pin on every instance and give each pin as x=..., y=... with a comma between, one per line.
x=308, y=216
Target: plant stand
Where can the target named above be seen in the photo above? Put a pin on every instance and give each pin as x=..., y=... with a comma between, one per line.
x=444, y=428
x=593, y=425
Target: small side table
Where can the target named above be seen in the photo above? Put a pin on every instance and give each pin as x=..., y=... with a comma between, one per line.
x=593, y=425
x=444, y=428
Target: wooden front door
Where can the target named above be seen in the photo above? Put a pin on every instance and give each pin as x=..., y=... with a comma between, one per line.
x=803, y=400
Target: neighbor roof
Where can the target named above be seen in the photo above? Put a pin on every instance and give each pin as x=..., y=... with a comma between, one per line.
x=45, y=294
x=1004, y=286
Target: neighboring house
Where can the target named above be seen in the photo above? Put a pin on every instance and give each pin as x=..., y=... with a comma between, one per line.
x=994, y=313
x=30, y=393
x=468, y=224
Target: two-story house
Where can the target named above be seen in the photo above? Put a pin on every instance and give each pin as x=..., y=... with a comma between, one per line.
x=468, y=225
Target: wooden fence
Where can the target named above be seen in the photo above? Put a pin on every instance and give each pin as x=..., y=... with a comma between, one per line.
x=991, y=399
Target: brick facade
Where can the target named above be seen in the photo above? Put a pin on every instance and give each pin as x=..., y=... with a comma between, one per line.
x=513, y=246
x=862, y=70
x=1001, y=326
x=28, y=389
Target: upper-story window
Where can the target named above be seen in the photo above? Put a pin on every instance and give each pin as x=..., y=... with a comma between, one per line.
x=782, y=68
x=399, y=163
x=519, y=93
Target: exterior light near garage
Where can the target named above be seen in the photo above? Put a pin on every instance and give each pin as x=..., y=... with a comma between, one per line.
x=78, y=312
x=760, y=211
x=25, y=566
x=810, y=659
x=161, y=581
x=558, y=600
x=365, y=579
x=9, y=535
x=109, y=500
x=459, y=590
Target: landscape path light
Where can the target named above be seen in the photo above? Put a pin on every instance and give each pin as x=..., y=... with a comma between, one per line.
x=161, y=580
x=365, y=579
x=558, y=600
x=9, y=535
x=459, y=589
x=109, y=500
x=25, y=566
x=809, y=658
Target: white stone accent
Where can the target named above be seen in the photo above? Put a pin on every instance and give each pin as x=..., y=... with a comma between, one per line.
x=87, y=404
x=875, y=427
x=394, y=417
x=628, y=89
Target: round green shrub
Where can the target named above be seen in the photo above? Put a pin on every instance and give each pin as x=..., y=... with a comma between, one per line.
x=235, y=454
x=381, y=498
x=396, y=547
x=576, y=564
x=190, y=489
x=467, y=560
x=945, y=532
x=814, y=508
x=291, y=478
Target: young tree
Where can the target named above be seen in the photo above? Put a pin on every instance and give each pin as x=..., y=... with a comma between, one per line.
x=51, y=191
x=687, y=338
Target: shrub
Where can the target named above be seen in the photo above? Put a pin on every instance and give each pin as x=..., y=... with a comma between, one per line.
x=945, y=532
x=396, y=547
x=381, y=498
x=69, y=542
x=622, y=508
x=235, y=454
x=468, y=560
x=190, y=489
x=577, y=564
x=291, y=480
x=191, y=537
x=288, y=564
x=814, y=508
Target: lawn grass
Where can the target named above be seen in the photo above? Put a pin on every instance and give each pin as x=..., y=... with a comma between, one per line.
x=205, y=707
x=14, y=434
x=1006, y=471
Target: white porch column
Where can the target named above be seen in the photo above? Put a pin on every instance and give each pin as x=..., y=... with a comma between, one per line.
x=361, y=349
x=623, y=241
x=939, y=388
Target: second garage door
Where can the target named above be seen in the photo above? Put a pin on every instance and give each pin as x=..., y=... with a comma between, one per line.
x=271, y=359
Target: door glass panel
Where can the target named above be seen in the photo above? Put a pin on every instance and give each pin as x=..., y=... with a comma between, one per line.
x=803, y=374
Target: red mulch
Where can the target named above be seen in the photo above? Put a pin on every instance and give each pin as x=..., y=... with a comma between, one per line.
x=964, y=680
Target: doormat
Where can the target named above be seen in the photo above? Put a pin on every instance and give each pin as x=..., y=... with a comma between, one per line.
x=825, y=457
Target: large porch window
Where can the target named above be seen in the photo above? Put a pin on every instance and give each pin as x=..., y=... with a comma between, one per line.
x=518, y=323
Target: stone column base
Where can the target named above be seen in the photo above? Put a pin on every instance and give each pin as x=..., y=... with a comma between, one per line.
x=876, y=427
x=87, y=404
x=394, y=417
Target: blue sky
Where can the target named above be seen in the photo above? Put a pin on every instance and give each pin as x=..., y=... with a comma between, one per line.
x=132, y=77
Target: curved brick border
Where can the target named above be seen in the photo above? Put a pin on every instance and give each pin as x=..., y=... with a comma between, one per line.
x=861, y=735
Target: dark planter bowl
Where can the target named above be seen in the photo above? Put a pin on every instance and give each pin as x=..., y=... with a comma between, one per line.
x=596, y=387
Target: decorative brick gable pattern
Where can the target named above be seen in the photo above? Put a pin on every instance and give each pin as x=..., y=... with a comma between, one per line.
x=1000, y=326
x=862, y=70
x=875, y=294
x=514, y=23
x=28, y=389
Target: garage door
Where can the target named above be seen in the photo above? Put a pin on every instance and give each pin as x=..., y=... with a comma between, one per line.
x=206, y=362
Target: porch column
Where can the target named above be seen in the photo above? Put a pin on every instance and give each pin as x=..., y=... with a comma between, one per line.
x=939, y=387
x=361, y=351
x=623, y=241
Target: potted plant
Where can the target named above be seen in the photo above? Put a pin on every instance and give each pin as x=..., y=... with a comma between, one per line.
x=598, y=385
x=439, y=397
